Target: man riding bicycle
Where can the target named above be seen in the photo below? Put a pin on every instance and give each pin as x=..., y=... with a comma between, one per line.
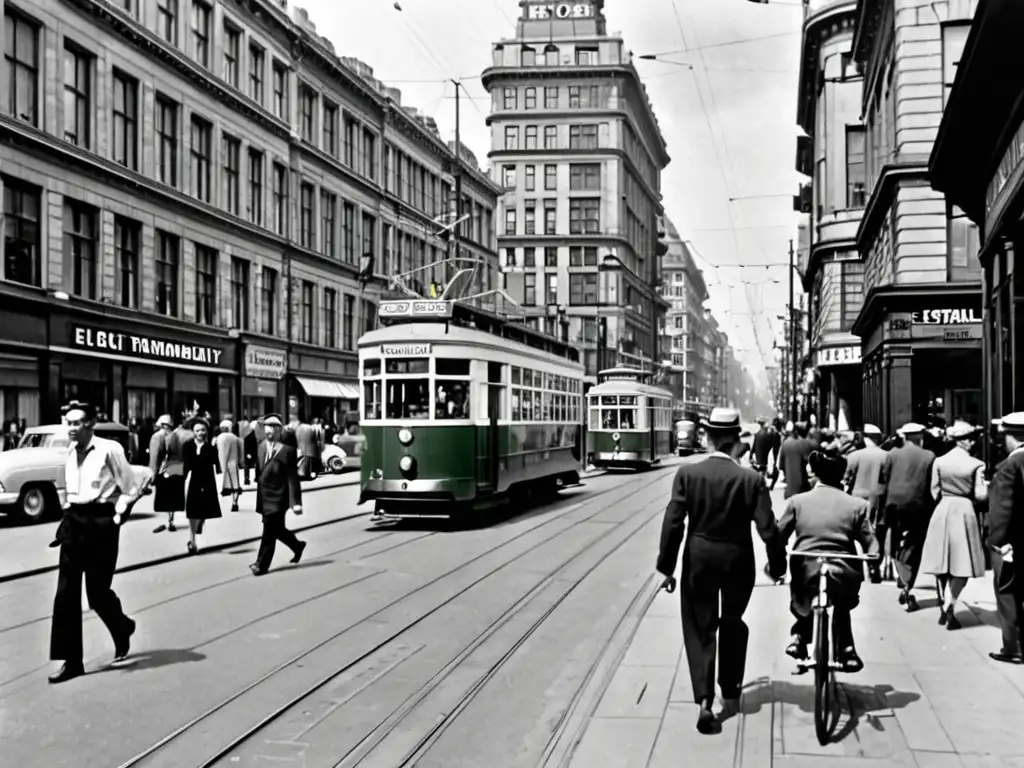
x=825, y=519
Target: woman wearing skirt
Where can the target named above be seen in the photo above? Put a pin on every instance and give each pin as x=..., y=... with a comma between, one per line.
x=202, y=502
x=953, y=549
x=231, y=454
x=165, y=454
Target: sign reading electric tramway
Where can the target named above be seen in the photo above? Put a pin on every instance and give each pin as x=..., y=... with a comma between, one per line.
x=946, y=317
x=560, y=11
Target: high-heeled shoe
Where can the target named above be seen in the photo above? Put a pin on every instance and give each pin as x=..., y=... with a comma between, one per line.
x=192, y=548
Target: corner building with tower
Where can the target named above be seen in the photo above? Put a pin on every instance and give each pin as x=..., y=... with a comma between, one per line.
x=578, y=153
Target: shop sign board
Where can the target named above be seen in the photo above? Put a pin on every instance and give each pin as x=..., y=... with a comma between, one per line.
x=542, y=11
x=946, y=317
x=265, y=362
x=956, y=334
x=405, y=350
x=91, y=339
x=435, y=309
x=838, y=356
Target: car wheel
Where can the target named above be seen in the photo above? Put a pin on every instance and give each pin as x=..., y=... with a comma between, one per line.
x=336, y=464
x=34, y=504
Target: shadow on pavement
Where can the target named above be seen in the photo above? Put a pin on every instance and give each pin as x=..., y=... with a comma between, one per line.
x=855, y=703
x=155, y=659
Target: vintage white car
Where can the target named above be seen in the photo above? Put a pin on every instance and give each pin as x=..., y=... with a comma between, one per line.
x=32, y=484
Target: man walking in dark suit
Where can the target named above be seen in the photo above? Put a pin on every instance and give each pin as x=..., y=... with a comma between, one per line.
x=720, y=498
x=793, y=456
x=1006, y=538
x=909, y=505
x=277, y=491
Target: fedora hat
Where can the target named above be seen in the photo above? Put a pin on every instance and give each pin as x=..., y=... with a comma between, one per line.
x=722, y=420
x=960, y=430
x=165, y=420
x=1012, y=422
x=870, y=430
x=912, y=428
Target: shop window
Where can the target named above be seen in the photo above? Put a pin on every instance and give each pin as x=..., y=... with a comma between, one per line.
x=127, y=237
x=80, y=247
x=22, y=205
x=240, y=293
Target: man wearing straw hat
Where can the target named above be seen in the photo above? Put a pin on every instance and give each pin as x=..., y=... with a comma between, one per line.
x=720, y=498
x=1006, y=539
x=909, y=505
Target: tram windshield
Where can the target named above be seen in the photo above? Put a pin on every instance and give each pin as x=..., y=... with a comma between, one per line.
x=614, y=412
x=416, y=388
x=408, y=399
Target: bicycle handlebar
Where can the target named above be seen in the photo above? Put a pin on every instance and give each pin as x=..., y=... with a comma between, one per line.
x=834, y=555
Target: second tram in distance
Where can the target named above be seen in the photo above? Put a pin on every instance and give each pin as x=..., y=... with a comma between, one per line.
x=629, y=423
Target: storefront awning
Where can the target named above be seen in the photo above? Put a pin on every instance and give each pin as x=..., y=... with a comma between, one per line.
x=335, y=390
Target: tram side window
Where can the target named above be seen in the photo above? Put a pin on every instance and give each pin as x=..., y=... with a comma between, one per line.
x=595, y=419
x=408, y=399
x=452, y=399
x=410, y=365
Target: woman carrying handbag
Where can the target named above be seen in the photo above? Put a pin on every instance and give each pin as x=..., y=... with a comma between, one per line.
x=202, y=501
x=953, y=550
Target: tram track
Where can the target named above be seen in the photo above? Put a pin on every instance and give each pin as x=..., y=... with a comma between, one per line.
x=302, y=676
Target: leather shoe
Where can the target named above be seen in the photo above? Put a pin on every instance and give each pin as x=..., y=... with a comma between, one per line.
x=1007, y=658
x=256, y=571
x=124, y=643
x=67, y=671
x=706, y=722
x=298, y=552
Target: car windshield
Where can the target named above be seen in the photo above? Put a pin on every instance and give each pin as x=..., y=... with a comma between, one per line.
x=44, y=440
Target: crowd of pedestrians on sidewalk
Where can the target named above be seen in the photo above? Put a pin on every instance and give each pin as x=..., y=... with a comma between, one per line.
x=915, y=510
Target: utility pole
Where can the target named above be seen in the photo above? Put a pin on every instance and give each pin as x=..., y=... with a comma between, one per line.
x=794, y=411
x=458, y=173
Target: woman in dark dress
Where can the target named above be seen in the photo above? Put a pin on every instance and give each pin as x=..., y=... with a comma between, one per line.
x=202, y=499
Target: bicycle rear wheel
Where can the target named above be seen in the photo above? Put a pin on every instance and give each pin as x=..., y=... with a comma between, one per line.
x=824, y=676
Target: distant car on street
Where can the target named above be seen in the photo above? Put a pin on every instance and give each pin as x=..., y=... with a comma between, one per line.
x=32, y=487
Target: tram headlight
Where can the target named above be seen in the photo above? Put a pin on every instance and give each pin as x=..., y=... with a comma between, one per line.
x=406, y=463
x=615, y=436
x=405, y=436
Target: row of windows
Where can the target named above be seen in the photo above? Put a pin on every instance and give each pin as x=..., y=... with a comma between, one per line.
x=584, y=217
x=583, y=177
x=538, y=380
x=579, y=256
x=628, y=412
x=84, y=246
x=549, y=55
x=580, y=97
x=580, y=136
x=529, y=405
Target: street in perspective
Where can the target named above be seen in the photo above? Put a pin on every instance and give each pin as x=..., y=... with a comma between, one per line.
x=511, y=383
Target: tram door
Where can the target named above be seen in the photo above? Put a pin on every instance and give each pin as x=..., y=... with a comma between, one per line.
x=651, y=424
x=494, y=392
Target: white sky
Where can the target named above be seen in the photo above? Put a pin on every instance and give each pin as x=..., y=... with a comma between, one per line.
x=730, y=122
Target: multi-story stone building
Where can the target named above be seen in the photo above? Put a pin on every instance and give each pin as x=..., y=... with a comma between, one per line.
x=683, y=287
x=920, y=324
x=831, y=153
x=578, y=151
x=188, y=191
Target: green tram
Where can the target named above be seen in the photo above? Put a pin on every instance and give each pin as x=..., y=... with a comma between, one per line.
x=462, y=409
x=630, y=421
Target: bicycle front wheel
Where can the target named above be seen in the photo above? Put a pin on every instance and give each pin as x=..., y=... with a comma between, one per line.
x=823, y=676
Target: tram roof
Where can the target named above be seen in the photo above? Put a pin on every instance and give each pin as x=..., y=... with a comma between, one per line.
x=464, y=324
x=626, y=387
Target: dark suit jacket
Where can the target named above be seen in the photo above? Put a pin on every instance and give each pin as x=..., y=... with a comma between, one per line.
x=721, y=499
x=827, y=520
x=793, y=460
x=1006, y=524
x=277, y=481
x=910, y=478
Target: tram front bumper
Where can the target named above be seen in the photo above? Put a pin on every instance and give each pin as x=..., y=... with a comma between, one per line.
x=447, y=489
x=618, y=456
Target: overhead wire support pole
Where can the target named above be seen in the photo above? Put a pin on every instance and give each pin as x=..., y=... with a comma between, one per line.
x=458, y=171
x=794, y=412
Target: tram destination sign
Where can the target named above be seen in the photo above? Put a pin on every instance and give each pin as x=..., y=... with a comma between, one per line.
x=405, y=350
x=435, y=309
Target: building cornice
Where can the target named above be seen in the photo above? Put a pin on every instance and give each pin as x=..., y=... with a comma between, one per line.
x=882, y=196
x=829, y=22
x=895, y=298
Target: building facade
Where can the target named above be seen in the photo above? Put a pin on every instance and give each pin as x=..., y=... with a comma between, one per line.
x=831, y=154
x=579, y=154
x=977, y=163
x=684, y=290
x=920, y=324
x=189, y=189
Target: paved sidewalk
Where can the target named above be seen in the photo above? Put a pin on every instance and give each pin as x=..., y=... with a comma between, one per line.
x=24, y=549
x=927, y=697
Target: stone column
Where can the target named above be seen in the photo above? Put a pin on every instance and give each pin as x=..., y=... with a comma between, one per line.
x=900, y=389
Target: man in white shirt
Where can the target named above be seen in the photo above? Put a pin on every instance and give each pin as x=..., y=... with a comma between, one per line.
x=100, y=491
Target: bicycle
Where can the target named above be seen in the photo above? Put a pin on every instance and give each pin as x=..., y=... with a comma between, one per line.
x=823, y=647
